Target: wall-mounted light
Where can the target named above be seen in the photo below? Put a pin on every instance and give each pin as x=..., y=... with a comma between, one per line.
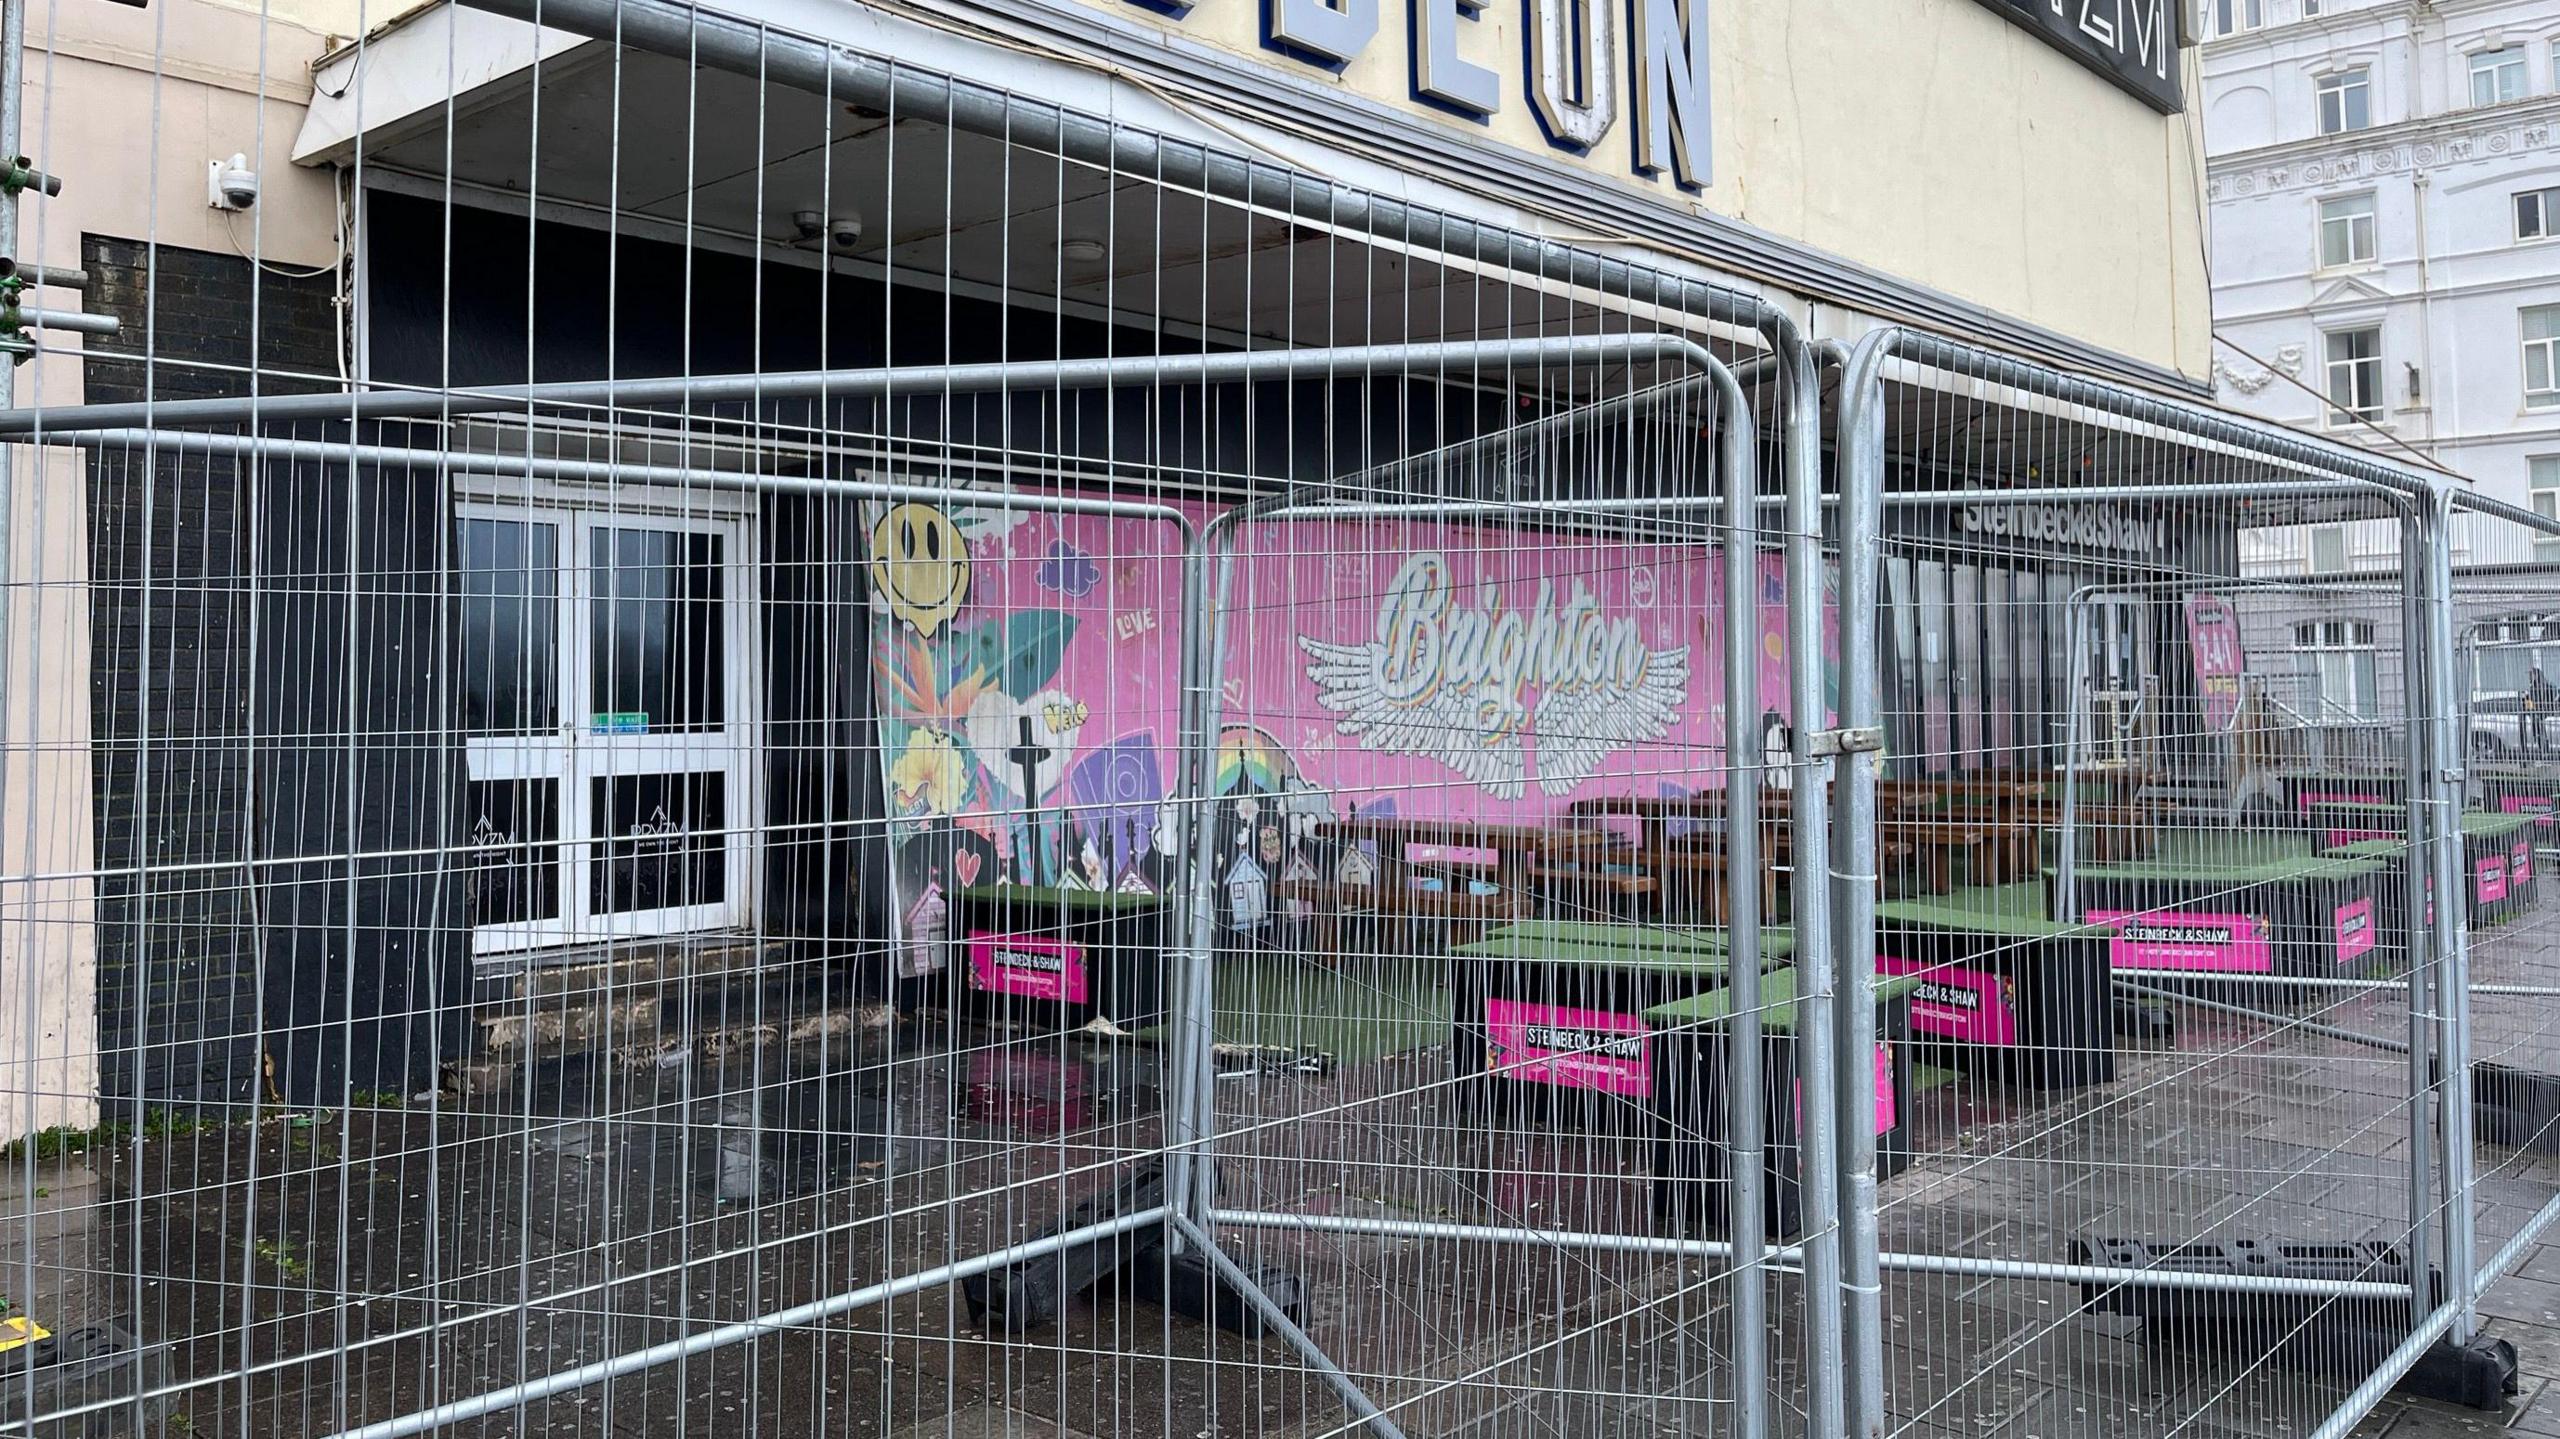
x=1083, y=249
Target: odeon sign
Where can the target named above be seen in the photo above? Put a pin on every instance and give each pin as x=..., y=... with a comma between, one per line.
x=1572, y=59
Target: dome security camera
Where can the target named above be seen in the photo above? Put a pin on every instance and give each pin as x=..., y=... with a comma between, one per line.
x=844, y=232
x=230, y=184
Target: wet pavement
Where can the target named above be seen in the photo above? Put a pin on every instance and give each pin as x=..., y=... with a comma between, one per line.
x=315, y=1275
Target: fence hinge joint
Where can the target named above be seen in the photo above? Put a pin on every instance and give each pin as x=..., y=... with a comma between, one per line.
x=1862, y=739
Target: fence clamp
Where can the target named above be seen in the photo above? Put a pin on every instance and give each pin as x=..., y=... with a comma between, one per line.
x=1863, y=739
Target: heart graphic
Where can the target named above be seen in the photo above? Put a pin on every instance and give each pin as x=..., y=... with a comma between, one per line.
x=966, y=864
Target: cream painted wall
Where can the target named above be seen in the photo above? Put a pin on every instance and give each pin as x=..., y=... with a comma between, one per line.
x=1929, y=139
x=131, y=150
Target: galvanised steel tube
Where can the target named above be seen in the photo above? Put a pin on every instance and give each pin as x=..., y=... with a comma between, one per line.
x=1745, y=1108
x=634, y=1361
x=1278, y=1320
x=1816, y=1156
x=611, y=471
x=2272, y=1021
x=2418, y=877
x=867, y=382
x=2360, y=1401
x=2511, y=1253
x=1860, y=445
x=1792, y=1255
x=74, y=320
x=2453, y=931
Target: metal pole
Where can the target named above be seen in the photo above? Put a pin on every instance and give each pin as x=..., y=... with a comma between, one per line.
x=1792, y=1255
x=1818, y=1163
x=516, y=1396
x=2075, y=640
x=1746, y=1107
x=1195, y=833
x=2272, y=1021
x=1860, y=445
x=2453, y=931
x=872, y=382
x=2418, y=880
x=1192, y=1100
x=1280, y=1323
x=69, y=320
x=13, y=80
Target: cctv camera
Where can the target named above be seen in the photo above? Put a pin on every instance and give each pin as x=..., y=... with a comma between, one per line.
x=845, y=231
x=809, y=223
x=231, y=184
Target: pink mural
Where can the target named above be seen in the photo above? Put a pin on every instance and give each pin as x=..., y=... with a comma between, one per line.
x=1028, y=669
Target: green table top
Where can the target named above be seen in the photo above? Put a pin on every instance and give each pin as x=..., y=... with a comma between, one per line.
x=1041, y=896
x=1775, y=939
x=2013, y=911
x=2476, y=823
x=1777, y=1002
x=2224, y=857
x=1710, y=957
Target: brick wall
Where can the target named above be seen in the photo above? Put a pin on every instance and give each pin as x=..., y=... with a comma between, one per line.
x=170, y=677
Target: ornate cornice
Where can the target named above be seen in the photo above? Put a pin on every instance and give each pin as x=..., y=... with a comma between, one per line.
x=2340, y=158
x=2249, y=379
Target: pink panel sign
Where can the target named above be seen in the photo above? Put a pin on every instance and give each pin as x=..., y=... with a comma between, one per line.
x=1031, y=966
x=2207, y=943
x=2489, y=879
x=1887, y=1108
x=1569, y=1048
x=2354, y=925
x=2520, y=864
x=1952, y=1002
x=2538, y=805
x=2213, y=638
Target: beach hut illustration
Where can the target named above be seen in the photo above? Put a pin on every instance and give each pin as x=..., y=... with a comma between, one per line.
x=1248, y=893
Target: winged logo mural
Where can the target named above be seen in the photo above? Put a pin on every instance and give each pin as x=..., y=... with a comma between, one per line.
x=1502, y=695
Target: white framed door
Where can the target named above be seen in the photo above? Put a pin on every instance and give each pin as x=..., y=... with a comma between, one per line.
x=608, y=698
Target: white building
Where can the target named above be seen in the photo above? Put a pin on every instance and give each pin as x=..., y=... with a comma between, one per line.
x=2383, y=184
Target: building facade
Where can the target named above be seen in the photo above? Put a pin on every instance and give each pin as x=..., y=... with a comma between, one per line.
x=2382, y=179
x=405, y=228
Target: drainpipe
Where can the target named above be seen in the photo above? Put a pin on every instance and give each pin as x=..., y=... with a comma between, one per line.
x=2418, y=191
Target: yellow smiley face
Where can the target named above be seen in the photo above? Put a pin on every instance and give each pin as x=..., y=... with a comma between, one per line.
x=921, y=563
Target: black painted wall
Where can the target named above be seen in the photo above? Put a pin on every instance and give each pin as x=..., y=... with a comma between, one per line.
x=172, y=694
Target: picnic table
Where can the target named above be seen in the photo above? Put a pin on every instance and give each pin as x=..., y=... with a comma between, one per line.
x=2002, y=985
x=1684, y=841
x=1449, y=872
x=1548, y=1006
x=2498, y=861
x=2226, y=903
x=1695, y=1032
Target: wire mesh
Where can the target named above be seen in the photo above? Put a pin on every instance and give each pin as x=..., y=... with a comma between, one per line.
x=836, y=752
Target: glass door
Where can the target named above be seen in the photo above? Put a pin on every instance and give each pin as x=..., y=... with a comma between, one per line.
x=608, y=719
x=2119, y=644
